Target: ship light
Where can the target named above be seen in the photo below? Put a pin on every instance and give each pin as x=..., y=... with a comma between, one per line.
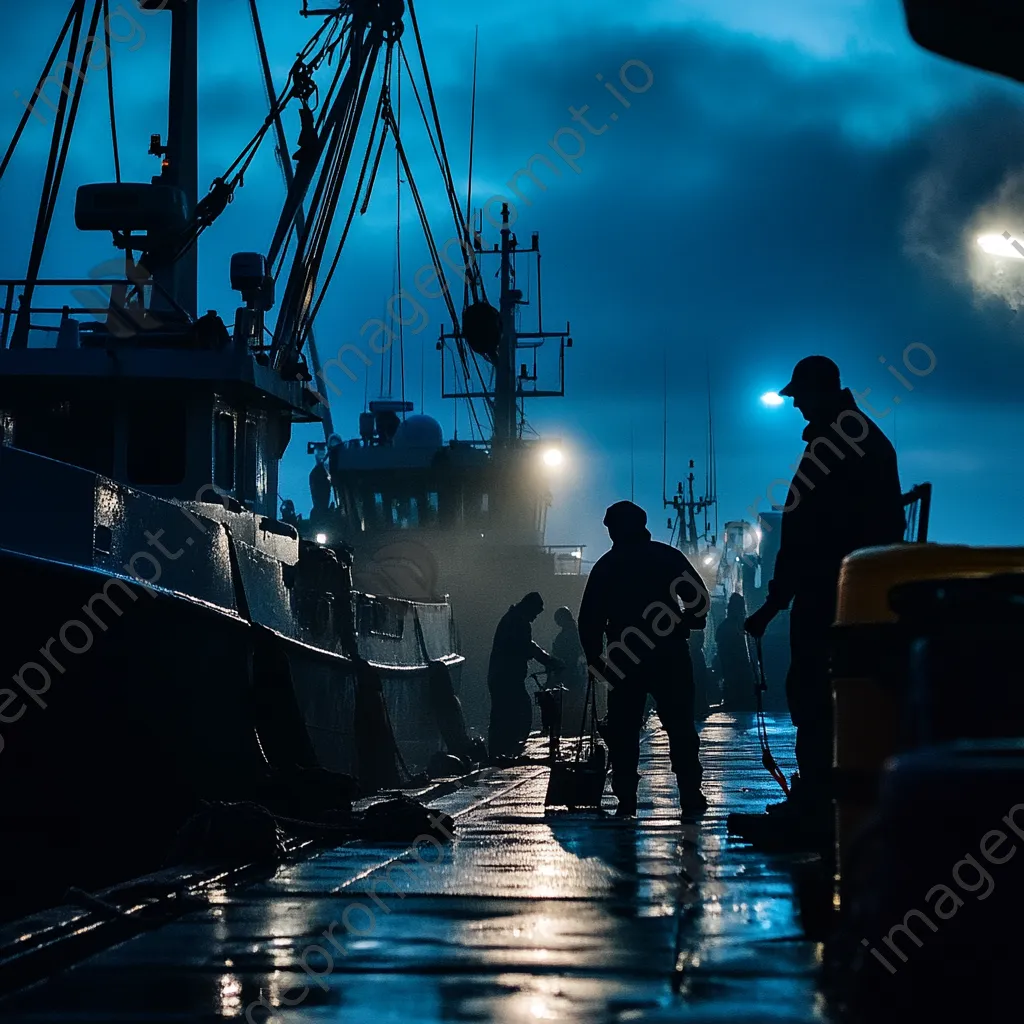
x=321, y=538
x=1002, y=245
x=553, y=457
x=771, y=398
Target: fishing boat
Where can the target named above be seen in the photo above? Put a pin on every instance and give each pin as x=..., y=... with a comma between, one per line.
x=169, y=639
x=463, y=518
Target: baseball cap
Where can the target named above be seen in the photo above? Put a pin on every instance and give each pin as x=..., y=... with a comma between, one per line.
x=815, y=373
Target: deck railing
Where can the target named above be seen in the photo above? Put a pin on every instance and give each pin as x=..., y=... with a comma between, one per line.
x=918, y=505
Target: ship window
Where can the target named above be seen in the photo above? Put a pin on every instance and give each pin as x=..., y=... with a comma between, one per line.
x=251, y=479
x=224, y=451
x=430, y=508
x=81, y=434
x=378, y=507
x=156, y=443
x=405, y=512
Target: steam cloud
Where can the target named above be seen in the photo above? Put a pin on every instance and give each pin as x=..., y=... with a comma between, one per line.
x=973, y=185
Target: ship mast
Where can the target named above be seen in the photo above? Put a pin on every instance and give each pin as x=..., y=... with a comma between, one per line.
x=684, y=502
x=505, y=403
x=492, y=334
x=686, y=507
x=180, y=279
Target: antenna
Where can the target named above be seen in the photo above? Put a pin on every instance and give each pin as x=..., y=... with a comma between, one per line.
x=469, y=178
x=664, y=424
x=711, y=486
x=631, y=462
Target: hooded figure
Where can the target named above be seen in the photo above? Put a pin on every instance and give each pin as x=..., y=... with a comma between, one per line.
x=733, y=659
x=511, y=706
x=845, y=495
x=567, y=648
x=644, y=597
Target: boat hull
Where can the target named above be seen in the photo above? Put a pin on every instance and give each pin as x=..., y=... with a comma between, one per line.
x=124, y=705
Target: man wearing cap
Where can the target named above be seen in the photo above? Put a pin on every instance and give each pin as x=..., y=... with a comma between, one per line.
x=513, y=647
x=644, y=597
x=845, y=495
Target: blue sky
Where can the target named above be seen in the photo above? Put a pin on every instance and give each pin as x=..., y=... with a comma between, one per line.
x=798, y=178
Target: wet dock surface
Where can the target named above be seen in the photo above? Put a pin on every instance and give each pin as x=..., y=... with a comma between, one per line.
x=526, y=916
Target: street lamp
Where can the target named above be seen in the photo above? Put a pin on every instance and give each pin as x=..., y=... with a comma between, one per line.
x=1002, y=245
x=553, y=457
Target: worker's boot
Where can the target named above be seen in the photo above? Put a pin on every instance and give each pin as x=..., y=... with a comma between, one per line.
x=692, y=802
x=794, y=803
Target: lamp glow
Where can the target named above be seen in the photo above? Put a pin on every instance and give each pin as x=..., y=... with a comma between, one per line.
x=321, y=538
x=1002, y=245
x=553, y=457
x=708, y=559
x=771, y=398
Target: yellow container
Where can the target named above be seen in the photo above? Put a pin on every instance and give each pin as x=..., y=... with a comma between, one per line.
x=868, y=667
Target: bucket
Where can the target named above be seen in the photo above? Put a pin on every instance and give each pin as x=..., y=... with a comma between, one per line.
x=870, y=664
x=933, y=930
x=578, y=784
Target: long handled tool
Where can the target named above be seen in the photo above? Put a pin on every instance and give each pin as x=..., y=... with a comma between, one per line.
x=767, y=758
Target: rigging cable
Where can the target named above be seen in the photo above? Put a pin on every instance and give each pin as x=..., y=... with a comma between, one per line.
x=59, y=143
x=446, y=166
x=469, y=175
x=296, y=317
x=382, y=103
x=398, y=239
x=287, y=172
x=472, y=277
x=110, y=90
x=38, y=91
x=431, y=244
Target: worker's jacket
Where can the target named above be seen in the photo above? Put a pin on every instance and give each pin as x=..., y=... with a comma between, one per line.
x=845, y=495
x=645, y=597
x=512, y=650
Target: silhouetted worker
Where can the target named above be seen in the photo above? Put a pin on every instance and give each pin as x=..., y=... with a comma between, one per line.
x=288, y=514
x=567, y=648
x=511, y=703
x=320, y=487
x=733, y=658
x=845, y=495
x=645, y=597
